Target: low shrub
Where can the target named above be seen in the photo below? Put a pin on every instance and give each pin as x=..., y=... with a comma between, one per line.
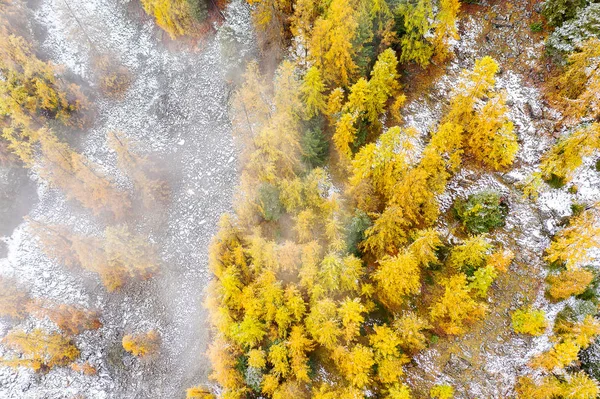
x=482, y=212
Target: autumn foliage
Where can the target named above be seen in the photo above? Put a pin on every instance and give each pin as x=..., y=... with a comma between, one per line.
x=38, y=350
x=142, y=344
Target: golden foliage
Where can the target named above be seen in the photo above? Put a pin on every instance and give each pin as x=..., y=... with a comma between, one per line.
x=31, y=93
x=141, y=170
x=529, y=321
x=397, y=278
x=331, y=46
x=80, y=179
x=72, y=320
x=38, y=350
x=452, y=312
x=568, y=283
x=579, y=84
x=171, y=15
x=142, y=344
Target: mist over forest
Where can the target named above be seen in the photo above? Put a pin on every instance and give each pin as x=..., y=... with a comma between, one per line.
x=307, y=199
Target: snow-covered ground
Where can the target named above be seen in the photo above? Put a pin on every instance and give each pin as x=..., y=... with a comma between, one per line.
x=176, y=109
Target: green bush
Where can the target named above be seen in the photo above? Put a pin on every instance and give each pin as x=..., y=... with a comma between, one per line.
x=315, y=148
x=529, y=321
x=556, y=181
x=198, y=9
x=577, y=208
x=481, y=212
x=536, y=27
x=269, y=204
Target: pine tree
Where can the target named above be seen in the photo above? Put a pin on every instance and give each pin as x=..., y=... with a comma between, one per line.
x=38, y=350
x=558, y=11
x=142, y=344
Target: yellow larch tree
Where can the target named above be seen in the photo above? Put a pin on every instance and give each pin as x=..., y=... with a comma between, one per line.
x=445, y=28
x=38, y=349
x=490, y=135
x=345, y=134
x=424, y=246
x=144, y=174
x=455, y=309
x=71, y=319
x=331, y=47
x=80, y=179
x=472, y=253
x=323, y=323
x=397, y=278
x=31, y=93
x=579, y=84
x=567, y=155
x=352, y=314
x=572, y=244
x=142, y=344
x=299, y=345
x=172, y=15
x=568, y=283
x=355, y=364
x=313, y=92
x=411, y=329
